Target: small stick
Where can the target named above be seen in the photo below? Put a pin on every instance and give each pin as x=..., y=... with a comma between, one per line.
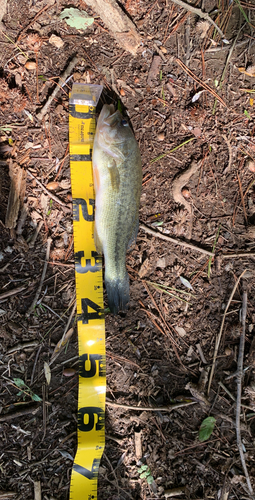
x=23, y=345
x=239, y=393
x=241, y=254
x=148, y=408
x=113, y=472
x=35, y=363
x=63, y=76
x=4, y=295
x=218, y=339
x=242, y=198
x=20, y=413
x=165, y=237
x=200, y=13
x=200, y=82
x=37, y=231
x=53, y=196
x=31, y=308
x=230, y=154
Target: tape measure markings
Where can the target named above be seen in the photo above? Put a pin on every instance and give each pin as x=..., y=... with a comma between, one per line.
x=90, y=307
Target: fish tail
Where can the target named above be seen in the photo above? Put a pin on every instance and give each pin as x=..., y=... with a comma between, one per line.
x=118, y=293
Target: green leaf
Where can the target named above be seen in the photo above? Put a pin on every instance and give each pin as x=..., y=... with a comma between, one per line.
x=150, y=479
x=76, y=18
x=143, y=468
x=144, y=474
x=35, y=397
x=206, y=428
x=20, y=393
x=247, y=114
x=19, y=382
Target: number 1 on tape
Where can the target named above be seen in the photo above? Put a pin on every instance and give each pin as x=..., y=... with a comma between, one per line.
x=89, y=295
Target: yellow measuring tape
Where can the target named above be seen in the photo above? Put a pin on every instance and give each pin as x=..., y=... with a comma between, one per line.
x=89, y=294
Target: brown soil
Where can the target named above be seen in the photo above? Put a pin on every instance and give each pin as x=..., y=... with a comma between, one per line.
x=160, y=352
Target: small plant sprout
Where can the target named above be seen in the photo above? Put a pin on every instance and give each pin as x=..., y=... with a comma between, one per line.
x=145, y=473
x=25, y=390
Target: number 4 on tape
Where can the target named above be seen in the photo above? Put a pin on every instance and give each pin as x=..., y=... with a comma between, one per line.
x=89, y=294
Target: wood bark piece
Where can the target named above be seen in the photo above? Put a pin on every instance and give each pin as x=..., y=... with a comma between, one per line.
x=17, y=193
x=122, y=28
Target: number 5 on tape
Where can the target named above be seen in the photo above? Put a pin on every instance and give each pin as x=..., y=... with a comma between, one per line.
x=89, y=294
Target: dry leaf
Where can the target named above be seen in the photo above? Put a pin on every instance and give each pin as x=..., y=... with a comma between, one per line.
x=62, y=342
x=47, y=372
x=202, y=27
x=56, y=41
x=44, y=203
x=145, y=268
x=65, y=184
x=250, y=71
x=154, y=69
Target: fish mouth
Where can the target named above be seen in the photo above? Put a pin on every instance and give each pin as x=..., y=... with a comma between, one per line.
x=109, y=116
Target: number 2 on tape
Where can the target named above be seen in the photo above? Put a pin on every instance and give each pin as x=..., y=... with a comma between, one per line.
x=89, y=294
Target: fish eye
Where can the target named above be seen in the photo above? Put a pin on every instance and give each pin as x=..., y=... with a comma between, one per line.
x=124, y=123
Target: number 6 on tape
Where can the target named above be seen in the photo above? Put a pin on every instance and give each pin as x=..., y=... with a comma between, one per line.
x=89, y=294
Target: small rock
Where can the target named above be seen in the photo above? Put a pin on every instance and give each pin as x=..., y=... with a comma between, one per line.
x=52, y=185
x=251, y=165
x=69, y=372
x=228, y=351
x=181, y=331
x=161, y=136
x=161, y=263
x=30, y=65
x=185, y=193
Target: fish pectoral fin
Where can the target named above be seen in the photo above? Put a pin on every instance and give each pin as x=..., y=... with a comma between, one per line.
x=114, y=175
x=98, y=244
x=116, y=153
x=134, y=234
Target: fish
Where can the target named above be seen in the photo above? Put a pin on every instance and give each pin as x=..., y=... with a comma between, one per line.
x=117, y=173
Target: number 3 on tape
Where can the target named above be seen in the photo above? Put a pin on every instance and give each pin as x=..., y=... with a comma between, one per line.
x=89, y=294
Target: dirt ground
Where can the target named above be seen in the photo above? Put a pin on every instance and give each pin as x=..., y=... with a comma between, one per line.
x=188, y=96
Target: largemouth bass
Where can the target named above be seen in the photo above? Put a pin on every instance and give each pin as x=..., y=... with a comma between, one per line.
x=117, y=175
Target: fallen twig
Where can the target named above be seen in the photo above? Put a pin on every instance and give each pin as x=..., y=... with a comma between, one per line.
x=230, y=154
x=165, y=237
x=63, y=76
x=200, y=13
x=4, y=295
x=115, y=19
x=20, y=413
x=53, y=196
x=204, y=85
x=242, y=198
x=241, y=254
x=148, y=408
x=239, y=393
x=218, y=339
x=31, y=308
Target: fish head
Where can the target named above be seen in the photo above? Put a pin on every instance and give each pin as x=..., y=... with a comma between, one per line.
x=111, y=127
